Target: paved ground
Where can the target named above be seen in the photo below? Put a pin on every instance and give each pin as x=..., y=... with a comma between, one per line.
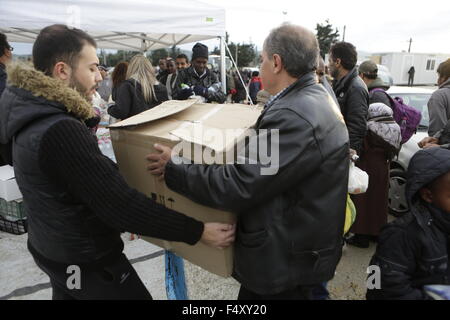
x=21, y=279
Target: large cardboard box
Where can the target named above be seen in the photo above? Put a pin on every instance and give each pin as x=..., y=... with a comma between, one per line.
x=197, y=126
x=9, y=190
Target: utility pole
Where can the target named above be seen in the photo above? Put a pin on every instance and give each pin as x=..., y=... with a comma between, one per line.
x=104, y=57
x=237, y=45
x=410, y=41
x=343, y=36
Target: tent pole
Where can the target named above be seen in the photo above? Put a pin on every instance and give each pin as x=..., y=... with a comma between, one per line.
x=240, y=77
x=143, y=43
x=223, y=71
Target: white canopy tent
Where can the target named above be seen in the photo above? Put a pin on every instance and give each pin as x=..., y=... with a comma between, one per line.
x=139, y=25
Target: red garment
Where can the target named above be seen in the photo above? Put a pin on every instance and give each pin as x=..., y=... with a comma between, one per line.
x=257, y=79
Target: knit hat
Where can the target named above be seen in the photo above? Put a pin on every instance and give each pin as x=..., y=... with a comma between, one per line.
x=199, y=51
x=368, y=67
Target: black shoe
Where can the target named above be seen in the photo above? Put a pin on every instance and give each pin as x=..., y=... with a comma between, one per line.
x=359, y=240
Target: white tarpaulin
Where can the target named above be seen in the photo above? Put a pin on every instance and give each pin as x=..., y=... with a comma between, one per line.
x=116, y=24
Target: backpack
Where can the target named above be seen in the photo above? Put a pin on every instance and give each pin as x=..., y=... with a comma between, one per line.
x=408, y=118
x=383, y=131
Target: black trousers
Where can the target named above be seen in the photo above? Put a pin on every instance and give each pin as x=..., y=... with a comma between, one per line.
x=299, y=293
x=116, y=281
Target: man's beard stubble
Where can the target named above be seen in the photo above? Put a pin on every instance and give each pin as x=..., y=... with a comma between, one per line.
x=81, y=89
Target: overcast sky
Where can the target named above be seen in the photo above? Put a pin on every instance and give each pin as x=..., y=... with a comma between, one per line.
x=374, y=26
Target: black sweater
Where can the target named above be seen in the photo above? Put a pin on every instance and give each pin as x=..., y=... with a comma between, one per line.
x=69, y=154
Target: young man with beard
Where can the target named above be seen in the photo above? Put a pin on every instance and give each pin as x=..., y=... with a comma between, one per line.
x=76, y=200
x=353, y=97
x=350, y=91
x=182, y=62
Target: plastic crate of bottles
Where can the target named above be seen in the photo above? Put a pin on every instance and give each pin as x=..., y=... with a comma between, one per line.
x=17, y=227
x=12, y=209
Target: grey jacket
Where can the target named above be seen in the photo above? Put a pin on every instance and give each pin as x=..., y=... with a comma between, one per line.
x=439, y=108
x=290, y=222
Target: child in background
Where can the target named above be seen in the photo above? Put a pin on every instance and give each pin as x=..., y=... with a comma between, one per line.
x=255, y=86
x=413, y=250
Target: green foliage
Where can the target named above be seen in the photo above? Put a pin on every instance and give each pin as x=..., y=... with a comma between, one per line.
x=246, y=52
x=113, y=59
x=326, y=37
x=155, y=55
x=174, y=52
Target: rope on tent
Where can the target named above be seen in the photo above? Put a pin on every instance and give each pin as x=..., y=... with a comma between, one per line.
x=239, y=74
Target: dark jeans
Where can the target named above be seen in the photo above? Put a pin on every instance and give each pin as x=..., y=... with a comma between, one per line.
x=117, y=280
x=410, y=81
x=299, y=293
x=320, y=292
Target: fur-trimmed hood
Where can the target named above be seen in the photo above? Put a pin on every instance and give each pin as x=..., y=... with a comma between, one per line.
x=40, y=85
x=32, y=95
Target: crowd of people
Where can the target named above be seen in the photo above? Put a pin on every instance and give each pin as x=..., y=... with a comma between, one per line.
x=288, y=238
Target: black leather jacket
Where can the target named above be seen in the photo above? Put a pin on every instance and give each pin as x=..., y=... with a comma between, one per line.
x=353, y=98
x=290, y=222
x=76, y=201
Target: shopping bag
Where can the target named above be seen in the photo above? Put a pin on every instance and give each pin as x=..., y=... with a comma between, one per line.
x=358, y=180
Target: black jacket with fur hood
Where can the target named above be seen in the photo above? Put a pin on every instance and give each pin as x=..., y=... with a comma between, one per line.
x=76, y=201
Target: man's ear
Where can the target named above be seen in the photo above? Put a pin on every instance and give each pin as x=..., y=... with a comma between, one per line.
x=426, y=195
x=62, y=71
x=277, y=63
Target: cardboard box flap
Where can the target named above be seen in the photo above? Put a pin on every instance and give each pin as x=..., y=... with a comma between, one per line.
x=163, y=110
x=201, y=134
x=6, y=173
x=218, y=127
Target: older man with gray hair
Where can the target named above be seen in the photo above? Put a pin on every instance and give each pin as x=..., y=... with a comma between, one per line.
x=290, y=222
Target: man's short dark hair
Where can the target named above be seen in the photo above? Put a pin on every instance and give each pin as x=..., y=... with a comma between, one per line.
x=58, y=43
x=183, y=56
x=255, y=73
x=3, y=44
x=297, y=47
x=444, y=69
x=346, y=52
